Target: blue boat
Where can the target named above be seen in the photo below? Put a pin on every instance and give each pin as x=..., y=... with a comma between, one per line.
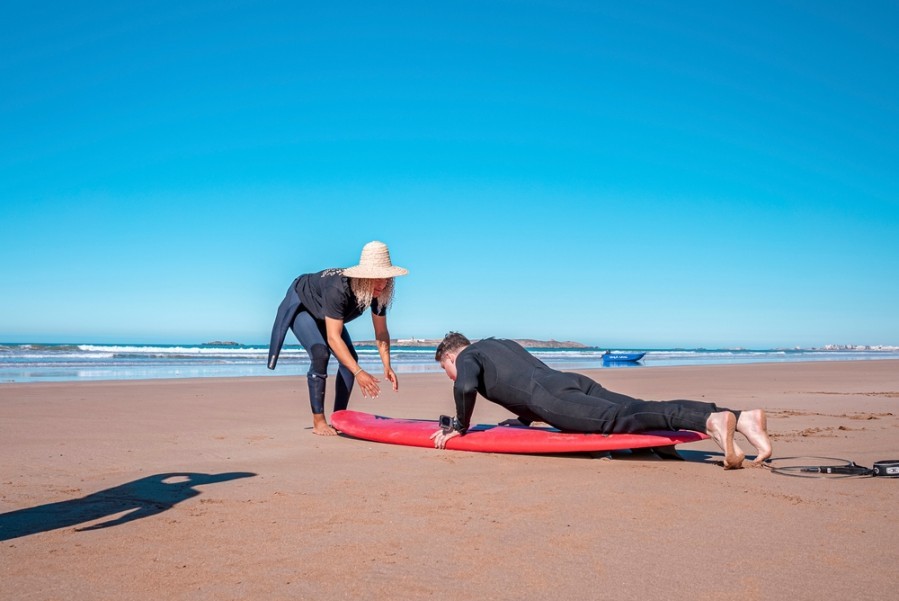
x=621, y=357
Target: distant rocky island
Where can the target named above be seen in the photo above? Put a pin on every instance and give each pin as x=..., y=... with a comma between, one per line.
x=221, y=343
x=433, y=342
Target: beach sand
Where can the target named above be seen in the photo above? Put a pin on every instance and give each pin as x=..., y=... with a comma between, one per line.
x=217, y=489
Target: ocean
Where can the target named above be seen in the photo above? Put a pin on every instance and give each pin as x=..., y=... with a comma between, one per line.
x=91, y=362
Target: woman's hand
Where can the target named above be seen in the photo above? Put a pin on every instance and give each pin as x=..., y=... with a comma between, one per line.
x=440, y=437
x=391, y=377
x=369, y=384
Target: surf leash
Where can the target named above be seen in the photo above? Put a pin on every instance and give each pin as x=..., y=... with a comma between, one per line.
x=831, y=468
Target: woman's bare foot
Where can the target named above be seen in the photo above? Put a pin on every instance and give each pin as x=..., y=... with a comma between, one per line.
x=721, y=426
x=321, y=426
x=754, y=426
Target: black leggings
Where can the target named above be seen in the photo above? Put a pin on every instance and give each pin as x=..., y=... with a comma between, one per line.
x=312, y=335
x=575, y=403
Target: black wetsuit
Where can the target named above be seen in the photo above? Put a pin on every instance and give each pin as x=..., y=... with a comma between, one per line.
x=505, y=373
x=311, y=298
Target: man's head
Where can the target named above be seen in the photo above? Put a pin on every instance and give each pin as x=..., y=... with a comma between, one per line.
x=447, y=350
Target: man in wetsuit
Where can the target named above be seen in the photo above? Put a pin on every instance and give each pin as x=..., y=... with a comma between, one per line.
x=505, y=373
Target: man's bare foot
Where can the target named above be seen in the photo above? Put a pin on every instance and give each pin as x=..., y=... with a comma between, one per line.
x=754, y=426
x=321, y=426
x=721, y=426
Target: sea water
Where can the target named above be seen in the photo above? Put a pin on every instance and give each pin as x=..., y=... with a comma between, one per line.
x=85, y=362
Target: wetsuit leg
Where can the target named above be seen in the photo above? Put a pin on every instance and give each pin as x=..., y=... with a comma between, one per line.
x=575, y=403
x=593, y=388
x=311, y=335
x=345, y=378
x=661, y=415
x=679, y=414
x=317, y=392
x=703, y=406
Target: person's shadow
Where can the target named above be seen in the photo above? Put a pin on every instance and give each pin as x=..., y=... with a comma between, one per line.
x=141, y=498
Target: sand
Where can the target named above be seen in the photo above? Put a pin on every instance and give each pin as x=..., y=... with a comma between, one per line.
x=217, y=489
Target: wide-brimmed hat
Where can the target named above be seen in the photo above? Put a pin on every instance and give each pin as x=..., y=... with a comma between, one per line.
x=374, y=263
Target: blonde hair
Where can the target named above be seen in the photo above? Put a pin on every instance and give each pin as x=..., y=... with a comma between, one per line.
x=363, y=289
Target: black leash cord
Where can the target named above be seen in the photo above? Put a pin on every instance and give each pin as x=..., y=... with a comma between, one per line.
x=887, y=468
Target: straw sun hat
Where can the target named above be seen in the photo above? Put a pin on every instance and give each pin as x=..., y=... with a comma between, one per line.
x=374, y=263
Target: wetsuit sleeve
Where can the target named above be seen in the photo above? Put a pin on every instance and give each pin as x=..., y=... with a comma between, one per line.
x=377, y=309
x=465, y=389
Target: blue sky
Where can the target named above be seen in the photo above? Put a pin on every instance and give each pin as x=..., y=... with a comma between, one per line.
x=617, y=173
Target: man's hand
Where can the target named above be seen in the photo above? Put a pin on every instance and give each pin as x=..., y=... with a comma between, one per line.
x=440, y=437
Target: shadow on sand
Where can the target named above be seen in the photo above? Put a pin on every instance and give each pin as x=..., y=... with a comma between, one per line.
x=141, y=498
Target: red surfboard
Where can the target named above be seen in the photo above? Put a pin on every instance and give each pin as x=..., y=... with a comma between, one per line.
x=499, y=439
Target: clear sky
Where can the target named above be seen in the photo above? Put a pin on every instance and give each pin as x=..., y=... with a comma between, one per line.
x=621, y=174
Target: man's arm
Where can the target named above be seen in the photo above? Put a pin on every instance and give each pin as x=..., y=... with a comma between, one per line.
x=465, y=392
x=465, y=389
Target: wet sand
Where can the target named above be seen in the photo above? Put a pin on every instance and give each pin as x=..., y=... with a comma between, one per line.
x=217, y=489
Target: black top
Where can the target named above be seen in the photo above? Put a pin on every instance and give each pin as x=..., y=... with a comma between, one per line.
x=328, y=294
